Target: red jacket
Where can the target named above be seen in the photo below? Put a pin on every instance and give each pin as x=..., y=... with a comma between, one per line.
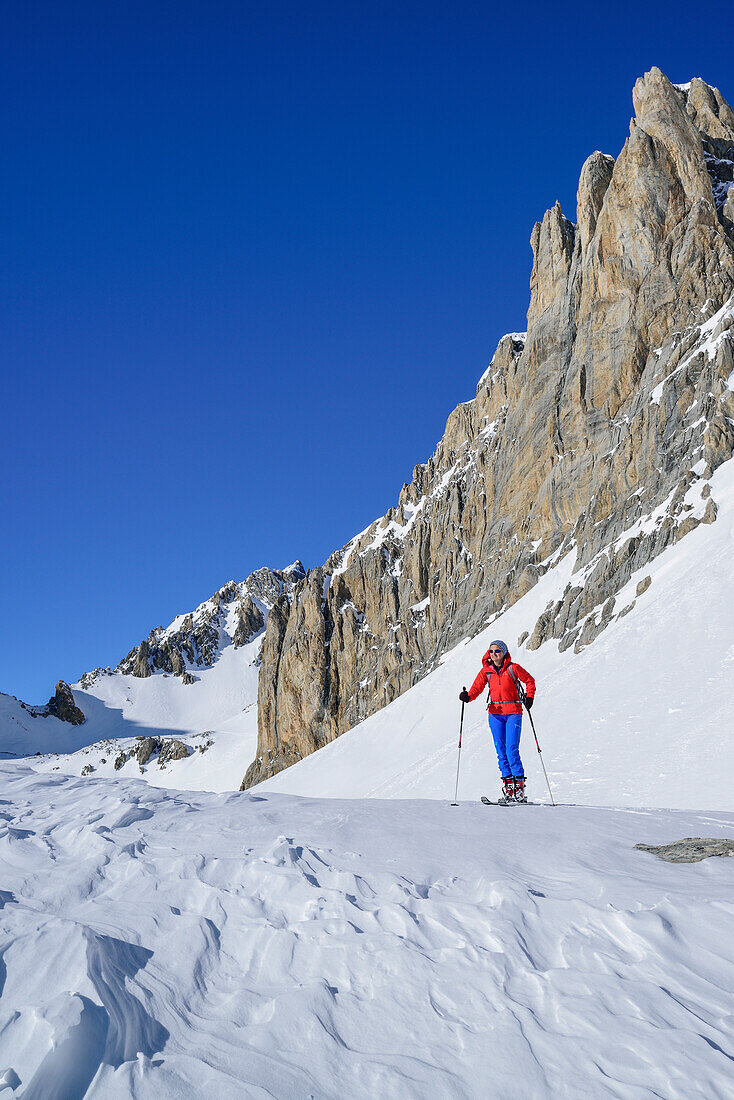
x=503, y=695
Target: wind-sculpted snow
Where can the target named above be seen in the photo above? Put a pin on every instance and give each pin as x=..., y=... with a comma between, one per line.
x=160, y=944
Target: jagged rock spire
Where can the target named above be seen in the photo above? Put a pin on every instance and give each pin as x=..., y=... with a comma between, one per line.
x=615, y=403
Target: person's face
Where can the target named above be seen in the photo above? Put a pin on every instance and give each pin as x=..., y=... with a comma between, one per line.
x=496, y=655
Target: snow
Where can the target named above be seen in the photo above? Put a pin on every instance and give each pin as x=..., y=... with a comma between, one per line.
x=712, y=334
x=341, y=930
x=418, y=607
x=640, y=717
x=24, y=735
x=490, y=430
x=347, y=553
x=203, y=609
x=516, y=337
x=162, y=944
x=220, y=707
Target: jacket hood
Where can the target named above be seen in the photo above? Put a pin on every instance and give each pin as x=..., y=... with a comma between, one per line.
x=486, y=660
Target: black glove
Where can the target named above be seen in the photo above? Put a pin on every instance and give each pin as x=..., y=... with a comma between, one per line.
x=528, y=701
x=464, y=696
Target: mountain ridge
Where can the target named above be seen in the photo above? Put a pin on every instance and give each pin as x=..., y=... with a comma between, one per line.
x=237, y=610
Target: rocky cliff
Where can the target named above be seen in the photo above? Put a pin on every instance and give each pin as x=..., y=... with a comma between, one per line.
x=595, y=432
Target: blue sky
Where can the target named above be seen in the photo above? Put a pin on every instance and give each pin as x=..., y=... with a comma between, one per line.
x=252, y=255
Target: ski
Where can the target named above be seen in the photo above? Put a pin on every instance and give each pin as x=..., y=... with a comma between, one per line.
x=489, y=802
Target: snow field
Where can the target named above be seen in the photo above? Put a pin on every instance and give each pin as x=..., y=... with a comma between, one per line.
x=160, y=944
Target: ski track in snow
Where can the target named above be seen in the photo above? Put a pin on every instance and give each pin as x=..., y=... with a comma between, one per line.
x=162, y=944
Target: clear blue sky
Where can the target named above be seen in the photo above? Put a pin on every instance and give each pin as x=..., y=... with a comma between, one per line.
x=251, y=257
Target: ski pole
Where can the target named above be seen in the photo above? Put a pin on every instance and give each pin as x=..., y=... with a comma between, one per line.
x=458, y=762
x=537, y=745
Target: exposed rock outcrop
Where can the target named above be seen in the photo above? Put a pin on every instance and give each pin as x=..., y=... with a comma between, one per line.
x=250, y=621
x=691, y=850
x=172, y=749
x=62, y=705
x=145, y=748
x=713, y=118
x=594, y=433
x=166, y=749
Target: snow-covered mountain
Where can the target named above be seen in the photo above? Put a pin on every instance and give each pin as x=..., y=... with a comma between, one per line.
x=642, y=717
x=591, y=467
x=191, y=686
x=371, y=939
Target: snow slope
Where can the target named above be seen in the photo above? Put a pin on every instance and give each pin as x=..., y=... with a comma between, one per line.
x=22, y=734
x=373, y=940
x=641, y=717
x=217, y=713
x=214, y=713
x=164, y=945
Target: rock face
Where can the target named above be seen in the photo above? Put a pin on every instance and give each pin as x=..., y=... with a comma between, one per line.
x=594, y=433
x=235, y=614
x=61, y=705
x=146, y=747
x=172, y=749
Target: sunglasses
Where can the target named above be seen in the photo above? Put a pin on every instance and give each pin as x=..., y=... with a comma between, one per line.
x=497, y=651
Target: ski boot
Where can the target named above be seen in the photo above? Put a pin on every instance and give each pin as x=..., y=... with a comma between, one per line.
x=508, y=791
x=519, y=789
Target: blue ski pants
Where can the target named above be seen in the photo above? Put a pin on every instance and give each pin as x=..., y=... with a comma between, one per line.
x=506, y=729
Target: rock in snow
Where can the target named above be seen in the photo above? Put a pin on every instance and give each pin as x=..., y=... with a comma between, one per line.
x=63, y=706
x=691, y=850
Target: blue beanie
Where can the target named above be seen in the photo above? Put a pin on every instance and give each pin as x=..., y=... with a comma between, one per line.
x=500, y=645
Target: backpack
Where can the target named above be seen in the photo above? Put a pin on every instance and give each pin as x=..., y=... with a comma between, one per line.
x=520, y=689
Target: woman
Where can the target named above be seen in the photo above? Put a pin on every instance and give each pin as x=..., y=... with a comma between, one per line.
x=501, y=675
